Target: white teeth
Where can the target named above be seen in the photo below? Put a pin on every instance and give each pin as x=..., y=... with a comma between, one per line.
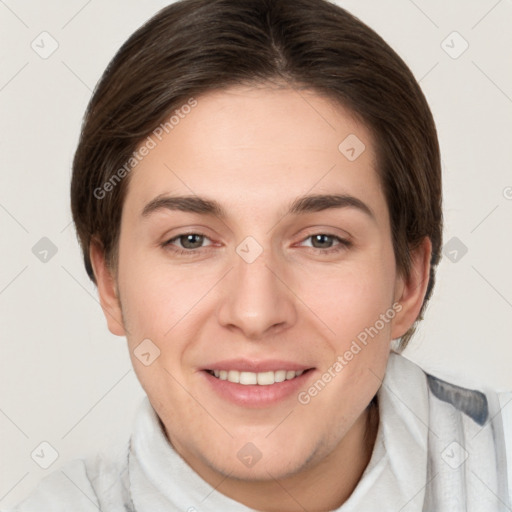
x=265, y=378
x=233, y=376
x=280, y=376
x=260, y=378
x=248, y=378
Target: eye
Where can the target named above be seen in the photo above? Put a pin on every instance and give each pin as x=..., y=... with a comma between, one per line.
x=327, y=243
x=188, y=242
x=192, y=243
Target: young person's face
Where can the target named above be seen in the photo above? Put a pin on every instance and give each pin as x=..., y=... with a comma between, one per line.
x=260, y=290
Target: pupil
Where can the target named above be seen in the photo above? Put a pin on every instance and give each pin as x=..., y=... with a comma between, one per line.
x=188, y=241
x=324, y=240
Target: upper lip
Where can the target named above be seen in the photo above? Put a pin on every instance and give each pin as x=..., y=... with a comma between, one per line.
x=247, y=365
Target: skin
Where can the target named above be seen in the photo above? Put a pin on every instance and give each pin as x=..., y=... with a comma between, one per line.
x=255, y=150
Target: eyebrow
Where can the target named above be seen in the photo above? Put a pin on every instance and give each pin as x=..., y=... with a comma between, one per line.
x=301, y=205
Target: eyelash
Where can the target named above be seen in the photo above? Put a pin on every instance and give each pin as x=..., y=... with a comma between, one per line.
x=341, y=245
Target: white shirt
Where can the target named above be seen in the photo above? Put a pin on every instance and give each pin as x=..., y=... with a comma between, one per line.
x=420, y=462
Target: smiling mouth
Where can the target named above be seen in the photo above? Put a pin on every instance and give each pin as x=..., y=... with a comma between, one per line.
x=259, y=378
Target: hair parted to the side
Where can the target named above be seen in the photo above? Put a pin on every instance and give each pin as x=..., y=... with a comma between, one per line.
x=195, y=46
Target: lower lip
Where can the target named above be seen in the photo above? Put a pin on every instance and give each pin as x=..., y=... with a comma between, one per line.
x=255, y=395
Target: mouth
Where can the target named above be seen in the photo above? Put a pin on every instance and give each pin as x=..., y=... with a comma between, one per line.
x=256, y=378
x=257, y=385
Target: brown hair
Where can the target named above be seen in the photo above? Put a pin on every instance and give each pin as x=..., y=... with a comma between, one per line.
x=195, y=46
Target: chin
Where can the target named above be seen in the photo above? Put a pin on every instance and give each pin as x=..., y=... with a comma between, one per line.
x=258, y=462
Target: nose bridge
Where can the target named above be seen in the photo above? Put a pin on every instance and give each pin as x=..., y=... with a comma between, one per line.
x=256, y=301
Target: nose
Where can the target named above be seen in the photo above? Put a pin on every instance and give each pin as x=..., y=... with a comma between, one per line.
x=257, y=300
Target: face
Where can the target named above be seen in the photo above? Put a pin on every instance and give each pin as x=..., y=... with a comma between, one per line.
x=277, y=271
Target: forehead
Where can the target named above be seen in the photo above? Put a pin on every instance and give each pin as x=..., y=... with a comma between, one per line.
x=253, y=147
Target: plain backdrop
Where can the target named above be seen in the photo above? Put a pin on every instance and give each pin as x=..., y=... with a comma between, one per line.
x=64, y=379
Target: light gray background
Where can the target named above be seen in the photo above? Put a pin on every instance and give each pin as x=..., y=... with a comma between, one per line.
x=64, y=378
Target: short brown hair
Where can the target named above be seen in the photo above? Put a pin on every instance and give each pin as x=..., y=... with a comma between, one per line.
x=195, y=46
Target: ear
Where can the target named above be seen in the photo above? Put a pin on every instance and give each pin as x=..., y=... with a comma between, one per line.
x=410, y=292
x=107, y=290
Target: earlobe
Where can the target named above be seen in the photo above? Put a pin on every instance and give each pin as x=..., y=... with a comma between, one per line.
x=107, y=290
x=410, y=291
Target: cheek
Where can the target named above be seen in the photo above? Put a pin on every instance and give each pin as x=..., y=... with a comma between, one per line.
x=352, y=305
x=154, y=294
x=350, y=299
